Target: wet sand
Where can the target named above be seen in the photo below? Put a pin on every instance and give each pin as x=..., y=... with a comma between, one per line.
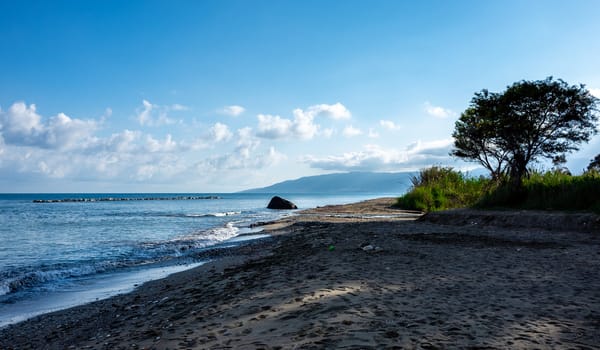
x=360, y=276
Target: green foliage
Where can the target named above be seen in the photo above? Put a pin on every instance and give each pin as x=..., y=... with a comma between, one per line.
x=505, y=132
x=553, y=190
x=439, y=188
x=594, y=164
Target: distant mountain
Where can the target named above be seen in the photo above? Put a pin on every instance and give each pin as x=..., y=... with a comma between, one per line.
x=339, y=183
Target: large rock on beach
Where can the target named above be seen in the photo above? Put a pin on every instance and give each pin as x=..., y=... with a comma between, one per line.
x=280, y=203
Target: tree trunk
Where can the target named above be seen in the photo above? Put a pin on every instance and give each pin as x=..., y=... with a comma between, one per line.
x=518, y=169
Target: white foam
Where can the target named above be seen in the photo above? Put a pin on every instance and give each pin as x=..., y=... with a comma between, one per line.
x=84, y=291
x=36, y=278
x=4, y=289
x=217, y=214
x=227, y=213
x=220, y=234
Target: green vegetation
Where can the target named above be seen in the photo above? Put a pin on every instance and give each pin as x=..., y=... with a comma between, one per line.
x=439, y=188
x=531, y=120
x=553, y=190
x=505, y=132
x=594, y=164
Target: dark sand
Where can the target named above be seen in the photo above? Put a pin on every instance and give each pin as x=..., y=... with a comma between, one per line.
x=362, y=276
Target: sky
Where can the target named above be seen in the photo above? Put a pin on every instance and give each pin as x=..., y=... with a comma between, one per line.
x=221, y=96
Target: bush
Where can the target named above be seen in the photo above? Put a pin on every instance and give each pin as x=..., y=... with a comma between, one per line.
x=553, y=190
x=439, y=188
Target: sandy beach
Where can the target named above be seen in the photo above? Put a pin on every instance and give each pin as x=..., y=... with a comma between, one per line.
x=362, y=276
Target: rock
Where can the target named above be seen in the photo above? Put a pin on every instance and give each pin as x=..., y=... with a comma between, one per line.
x=367, y=247
x=280, y=203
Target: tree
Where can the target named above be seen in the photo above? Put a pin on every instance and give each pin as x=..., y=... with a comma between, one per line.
x=476, y=137
x=594, y=164
x=507, y=131
x=558, y=165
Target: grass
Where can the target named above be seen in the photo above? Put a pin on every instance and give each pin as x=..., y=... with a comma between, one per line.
x=549, y=191
x=440, y=188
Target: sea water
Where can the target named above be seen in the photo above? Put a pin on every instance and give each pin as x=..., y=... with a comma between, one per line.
x=62, y=250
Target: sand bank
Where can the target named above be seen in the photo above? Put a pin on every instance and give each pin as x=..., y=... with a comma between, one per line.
x=358, y=276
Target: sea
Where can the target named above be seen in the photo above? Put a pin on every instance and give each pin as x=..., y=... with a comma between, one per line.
x=63, y=250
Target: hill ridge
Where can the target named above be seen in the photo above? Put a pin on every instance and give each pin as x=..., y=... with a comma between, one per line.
x=348, y=182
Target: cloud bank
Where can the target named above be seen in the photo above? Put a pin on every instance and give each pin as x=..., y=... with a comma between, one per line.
x=303, y=125
x=22, y=126
x=376, y=158
x=62, y=147
x=202, y=155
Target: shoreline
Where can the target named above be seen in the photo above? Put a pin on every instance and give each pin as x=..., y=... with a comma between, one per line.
x=314, y=284
x=120, y=282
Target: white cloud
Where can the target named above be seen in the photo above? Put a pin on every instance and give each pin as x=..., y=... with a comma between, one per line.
x=376, y=158
x=389, y=125
x=273, y=127
x=22, y=126
x=34, y=148
x=144, y=113
x=595, y=92
x=107, y=164
x=435, y=147
x=246, y=139
x=351, y=131
x=335, y=111
x=162, y=168
x=233, y=110
x=156, y=115
x=64, y=132
x=145, y=172
x=246, y=155
x=154, y=145
x=56, y=172
x=438, y=112
x=217, y=133
x=373, y=134
x=247, y=143
x=303, y=125
x=272, y=157
x=123, y=141
x=220, y=132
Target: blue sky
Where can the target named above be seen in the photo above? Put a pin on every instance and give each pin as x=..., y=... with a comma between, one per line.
x=213, y=96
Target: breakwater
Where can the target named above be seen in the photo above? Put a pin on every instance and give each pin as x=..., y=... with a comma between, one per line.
x=124, y=199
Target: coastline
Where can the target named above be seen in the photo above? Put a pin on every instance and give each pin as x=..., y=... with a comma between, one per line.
x=314, y=284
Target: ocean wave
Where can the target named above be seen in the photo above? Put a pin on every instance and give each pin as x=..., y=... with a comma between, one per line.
x=22, y=280
x=4, y=289
x=218, y=214
x=45, y=277
x=201, y=239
